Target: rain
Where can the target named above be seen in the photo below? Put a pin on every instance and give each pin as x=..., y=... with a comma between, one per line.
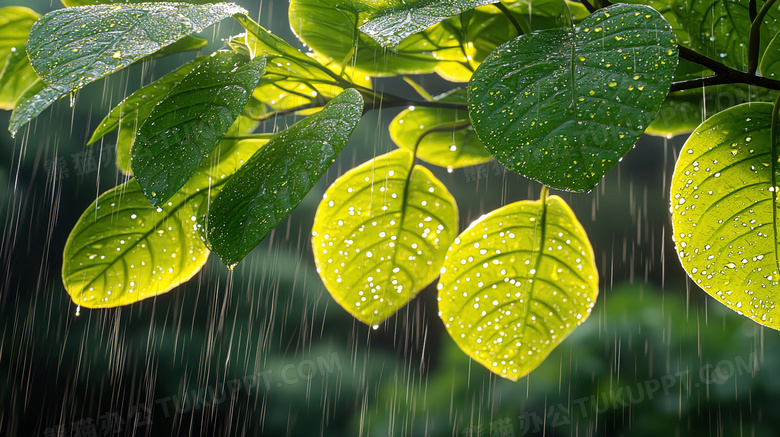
x=267, y=347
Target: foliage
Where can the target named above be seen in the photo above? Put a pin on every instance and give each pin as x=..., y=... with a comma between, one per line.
x=557, y=91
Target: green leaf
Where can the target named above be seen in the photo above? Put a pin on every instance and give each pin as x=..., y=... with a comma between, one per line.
x=70, y=3
x=187, y=44
x=122, y=243
x=130, y=114
x=72, y=47
x=720, y=29
x=442, y=137
x=724, y=211
x=770, y=61
x=516, y=283
x=333, y=34
x=675, y=12
x=272, y=183
x=122, y=250
x=15, y=24
x=291, y=78
x=190, y=121
x=380, y=235
x=31, y=103
x=563, y=106
x=401, y=19
x=16, y=75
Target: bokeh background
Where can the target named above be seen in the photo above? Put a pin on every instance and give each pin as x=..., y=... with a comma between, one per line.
x=264, y=350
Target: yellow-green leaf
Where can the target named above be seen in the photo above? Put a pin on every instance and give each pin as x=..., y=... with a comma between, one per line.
x=724, y=211
x=516, y=283
x=442, y=136
x=123, y=249
x=380, y=235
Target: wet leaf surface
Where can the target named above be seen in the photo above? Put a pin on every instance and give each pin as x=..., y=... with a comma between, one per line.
x=380, y=235
x=72, y=47
x=190, y=121
x=724, y=211
x=272, y=183
x=563, y=106
x=392, y=25
x=516, y=283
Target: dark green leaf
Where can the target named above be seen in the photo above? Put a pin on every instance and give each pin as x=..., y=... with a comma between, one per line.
x=32, y=102
x=392, y=25
x=190, y=121
x=516, y=283
x=563, y=106
x=724, y=211
x=380, y=235
x=770, y=62
x=129, y=115
x=272, y=183
x=720, y=29
x=187, y=44
x=70, y=3
x=72, y=47
x=441, y=136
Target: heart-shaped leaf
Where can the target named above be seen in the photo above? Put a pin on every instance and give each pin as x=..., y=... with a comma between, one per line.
x=72, y=47
x=275, y=180
x=725, y=211
x=562, y=106
x=190, y=121
x=392, y=25
x=516, y=283
x=380, y=235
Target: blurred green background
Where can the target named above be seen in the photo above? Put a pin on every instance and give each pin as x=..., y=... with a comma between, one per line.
x=656, y=356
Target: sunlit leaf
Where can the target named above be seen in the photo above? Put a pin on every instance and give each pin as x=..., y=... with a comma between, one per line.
x=72, y=47
x=333, y=33
x=123, y=249
x=380, y=235
x=15, y=24
x=291, y=78
x=724, y=211
x=16, y=74
x=516, y=283
x=563, y=106
x=442, y=136
x=272, y=183
x=393, y=24
x=190, y=121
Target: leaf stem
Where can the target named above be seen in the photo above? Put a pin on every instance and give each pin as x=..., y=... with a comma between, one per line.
x=752, y=10
x=543, y=194
x=723, y=74
x=754, y=43
x=418, y=88
x=511, y=17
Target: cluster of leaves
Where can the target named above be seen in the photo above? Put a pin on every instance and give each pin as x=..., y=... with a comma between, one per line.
x=556, y=91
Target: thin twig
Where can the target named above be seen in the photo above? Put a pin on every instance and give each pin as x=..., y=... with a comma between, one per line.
x=509, y=15
x=754, y=42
